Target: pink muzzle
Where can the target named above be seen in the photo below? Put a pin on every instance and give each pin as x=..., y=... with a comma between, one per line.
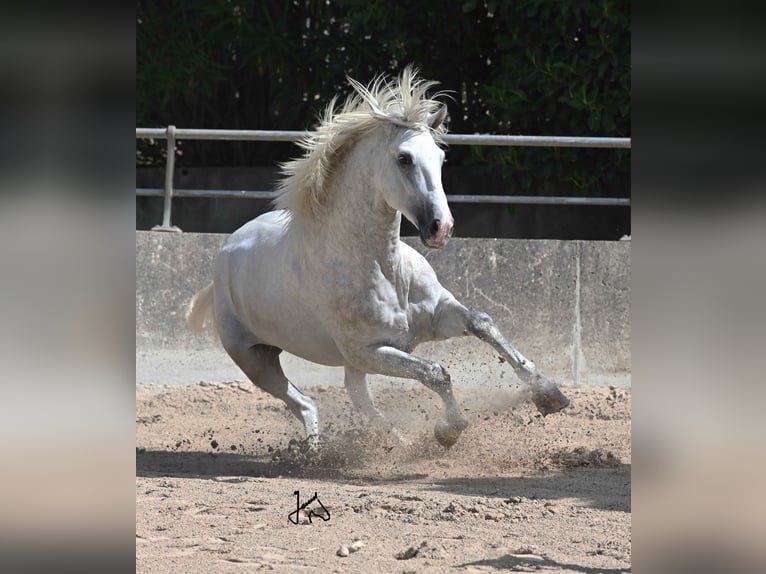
x=439, y=231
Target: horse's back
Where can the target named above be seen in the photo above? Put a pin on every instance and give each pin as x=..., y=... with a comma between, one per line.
x=248, y=251
x=266, y=229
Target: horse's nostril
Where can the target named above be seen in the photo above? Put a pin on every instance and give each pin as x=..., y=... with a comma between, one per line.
x=435, y=227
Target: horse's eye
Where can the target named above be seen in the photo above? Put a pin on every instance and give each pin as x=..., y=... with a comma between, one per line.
x=404, y=159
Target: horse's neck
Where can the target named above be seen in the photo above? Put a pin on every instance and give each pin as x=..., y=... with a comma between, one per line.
x=357, y=225
x=363, y=224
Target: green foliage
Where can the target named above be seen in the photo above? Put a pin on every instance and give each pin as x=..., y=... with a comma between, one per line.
x=529, y=67
x=561, y=69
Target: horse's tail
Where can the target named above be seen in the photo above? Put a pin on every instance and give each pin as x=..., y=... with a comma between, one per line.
x=200, y=308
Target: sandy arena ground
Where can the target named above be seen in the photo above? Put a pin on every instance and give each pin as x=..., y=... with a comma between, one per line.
x=216, y=475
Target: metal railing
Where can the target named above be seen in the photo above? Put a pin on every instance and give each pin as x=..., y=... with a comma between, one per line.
x=172, y=134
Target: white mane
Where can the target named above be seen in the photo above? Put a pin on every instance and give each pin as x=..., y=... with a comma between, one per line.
x=304, y=187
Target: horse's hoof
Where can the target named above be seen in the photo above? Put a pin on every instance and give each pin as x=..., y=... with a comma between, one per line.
x=548, y=398
x=311, y=444
x=447, y=435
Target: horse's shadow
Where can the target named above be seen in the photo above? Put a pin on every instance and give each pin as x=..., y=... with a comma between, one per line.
x=605, y=488
x=182, y=464
x=186, y=464
x=534, y=563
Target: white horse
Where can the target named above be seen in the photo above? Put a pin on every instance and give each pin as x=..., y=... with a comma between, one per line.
x=325, y=276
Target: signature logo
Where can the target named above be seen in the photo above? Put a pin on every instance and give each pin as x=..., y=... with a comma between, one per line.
x=324, y=514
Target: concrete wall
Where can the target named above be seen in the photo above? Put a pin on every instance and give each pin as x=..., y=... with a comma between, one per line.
x=563, y=304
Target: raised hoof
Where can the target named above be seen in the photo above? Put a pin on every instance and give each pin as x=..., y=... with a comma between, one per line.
x=548, y=398
x=447, y=435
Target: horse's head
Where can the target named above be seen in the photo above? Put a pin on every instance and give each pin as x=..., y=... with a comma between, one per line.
x=416, y=190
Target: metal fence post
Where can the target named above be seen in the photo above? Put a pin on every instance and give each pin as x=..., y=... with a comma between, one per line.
x=169, y=172
x=171, y=134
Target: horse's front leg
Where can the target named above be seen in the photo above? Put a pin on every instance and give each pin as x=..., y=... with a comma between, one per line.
x=359, y=391
x=453, y=320
x=392, y=362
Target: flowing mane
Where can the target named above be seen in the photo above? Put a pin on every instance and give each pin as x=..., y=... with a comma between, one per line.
x=305, y=182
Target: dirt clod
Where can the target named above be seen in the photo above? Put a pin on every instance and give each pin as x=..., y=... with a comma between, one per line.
x=411, y=552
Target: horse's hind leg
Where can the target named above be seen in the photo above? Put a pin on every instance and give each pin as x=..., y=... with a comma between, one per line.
x=356, y=385
x=261, y=364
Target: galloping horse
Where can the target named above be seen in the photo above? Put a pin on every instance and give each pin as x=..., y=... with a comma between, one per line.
x=325, y=276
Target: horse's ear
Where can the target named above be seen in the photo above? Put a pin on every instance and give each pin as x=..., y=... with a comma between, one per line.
x=437, y=118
